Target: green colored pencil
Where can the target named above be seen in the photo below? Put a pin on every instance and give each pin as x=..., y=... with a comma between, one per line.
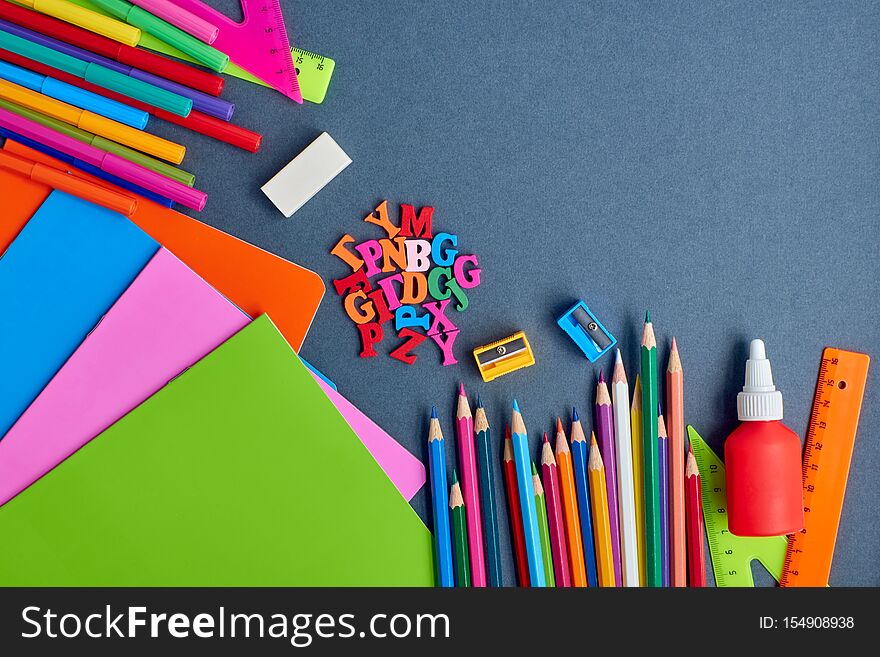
x=543, y=527
x=650, y=397
x=489, y=498
x=459, y=534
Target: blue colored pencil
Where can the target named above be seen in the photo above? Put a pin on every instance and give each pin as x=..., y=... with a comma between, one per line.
x=440, y=504
x=534, y=555
x=580, y=456
x=663, y=466
x=487, y=492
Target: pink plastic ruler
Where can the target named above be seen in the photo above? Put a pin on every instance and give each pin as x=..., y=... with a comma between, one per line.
x=258, y=44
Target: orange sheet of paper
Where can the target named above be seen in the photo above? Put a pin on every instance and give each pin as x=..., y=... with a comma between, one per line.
x=255, y=280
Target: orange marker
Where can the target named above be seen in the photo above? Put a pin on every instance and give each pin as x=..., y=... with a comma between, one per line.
x=67, y=182
x=675, y=425
x=570, y=508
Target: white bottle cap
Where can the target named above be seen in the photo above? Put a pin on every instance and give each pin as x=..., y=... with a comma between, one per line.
x=759, y=399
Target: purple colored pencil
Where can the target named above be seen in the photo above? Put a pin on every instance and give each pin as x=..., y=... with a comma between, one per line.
x=216, y=107
x=605, y=438
x=663, y=466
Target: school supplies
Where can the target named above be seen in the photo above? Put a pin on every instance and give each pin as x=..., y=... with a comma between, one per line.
x=626, y=491
x=635, y=417
x=504, y=356
x=313, y=72
x=732, y=556
x=605, y=436
x=180, y=18
x=85, y=18
x=828, y=448
x=138, y=58
x=124, y=134
x=74, y=95
x=675, y=425
x=587, y=332
x=525, y=486
x=306, y=175
x=601, y=521
x=696, y=558
x=485, y=459
x=555, y=521
x=650, y=399
x=253, y=279
x=579, y=461
x=107, y=162
x=568, y=494
x=443, y=567
x=663, y=469
x=543, y=529
x=64, y=270
x=514, y=512
x=165, y=321
x=153, y=491
x=92, y=72
x=459, y=534
x=467, y=461
x=70, y=184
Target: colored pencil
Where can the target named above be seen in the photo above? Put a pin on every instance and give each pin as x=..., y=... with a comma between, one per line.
x=675, y=425
x=520, y=441
x=555, y=515
x=601, y=519
x=488, y=501
x=543, y=529
x=439, y=502
x=146, y=60
x=514, y=512
x=459, y=534
x=650, y=399
x=196, y=121
x=470, y=485
x=696, y=558
x=568, y=492
x=635, y=416
x=87, y=19
x=629, y=548
x=663, y=470
x=605, y=436
x=579, y=459
x=180, y=18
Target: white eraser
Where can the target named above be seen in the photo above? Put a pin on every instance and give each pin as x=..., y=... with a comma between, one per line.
x=306, y=174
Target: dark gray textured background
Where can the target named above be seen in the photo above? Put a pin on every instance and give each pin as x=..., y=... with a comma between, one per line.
x=714, y=162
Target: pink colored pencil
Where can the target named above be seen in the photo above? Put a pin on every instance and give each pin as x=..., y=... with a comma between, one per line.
x=605, y=438
x=470, y=484
x=558, y=541
x=675, y=426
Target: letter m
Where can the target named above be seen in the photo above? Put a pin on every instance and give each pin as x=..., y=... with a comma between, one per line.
x=413, y=226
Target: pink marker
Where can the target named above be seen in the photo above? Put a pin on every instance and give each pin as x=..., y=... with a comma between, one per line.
x=180, y=17
x=109, y=162
x=470, y=484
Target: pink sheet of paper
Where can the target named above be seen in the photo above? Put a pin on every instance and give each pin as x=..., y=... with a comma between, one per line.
x=409, y=472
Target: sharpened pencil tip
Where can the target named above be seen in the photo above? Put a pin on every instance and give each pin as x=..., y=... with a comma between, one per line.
x=574, y=415
x=647, y=317
x=617, y=357
x=601, y=376
x=461, y=390
x=546, y=440
x=534, y=469
x=674, y=345
x=454, y=476
x=515, y=406
x=479, y=401
x=433, y=412
x=558, y=424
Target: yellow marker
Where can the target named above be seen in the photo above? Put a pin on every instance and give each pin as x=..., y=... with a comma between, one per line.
x=504, y=356
x=86, y=19
x=95, y=123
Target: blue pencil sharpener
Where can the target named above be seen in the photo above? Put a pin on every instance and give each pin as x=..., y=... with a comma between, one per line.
x=587, y=332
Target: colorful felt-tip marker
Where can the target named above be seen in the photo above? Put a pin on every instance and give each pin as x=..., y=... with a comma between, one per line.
x=520, y=442
x=443, y=567
x=87, y=19
x=181, y=18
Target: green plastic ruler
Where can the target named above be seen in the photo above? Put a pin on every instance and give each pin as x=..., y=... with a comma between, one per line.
x=732, y=556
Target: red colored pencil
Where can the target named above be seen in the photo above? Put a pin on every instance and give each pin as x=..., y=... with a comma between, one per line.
x=139, y=58
x=558, y=542
x=517, y=536
x=696, y=559
x=196, y=121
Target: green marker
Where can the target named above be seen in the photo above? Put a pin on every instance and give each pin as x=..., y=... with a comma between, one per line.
x=186, y=43
x=543, y=527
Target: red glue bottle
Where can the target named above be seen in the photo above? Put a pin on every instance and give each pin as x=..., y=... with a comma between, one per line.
x=763, y=458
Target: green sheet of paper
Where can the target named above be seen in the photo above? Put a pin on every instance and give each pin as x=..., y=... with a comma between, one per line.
x=239, y=472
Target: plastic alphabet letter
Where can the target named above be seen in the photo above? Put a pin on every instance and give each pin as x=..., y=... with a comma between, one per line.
x=444, y=259
x=352, y=283
x=406, y=316
x=445, y=342
x=393, y=254
x=442, y=324
x=345, y=255
x=415, y=287
x=371, y=334
x=470, y=278
x=391, y=297
x=417, y=252
x=413, y=340
x=359, y=314
x=412, y=226
x=370, y=251
x=382, y=220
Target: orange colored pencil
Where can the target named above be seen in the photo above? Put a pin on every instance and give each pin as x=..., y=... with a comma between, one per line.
x=570, y=508
x=675, y=426
x=601, y=520
x=695, y=528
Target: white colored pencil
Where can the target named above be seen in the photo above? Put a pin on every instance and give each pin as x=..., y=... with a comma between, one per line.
x=629, y=547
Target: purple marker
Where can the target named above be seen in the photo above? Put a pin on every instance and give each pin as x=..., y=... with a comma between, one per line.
x=216, y=107
x=605, y=438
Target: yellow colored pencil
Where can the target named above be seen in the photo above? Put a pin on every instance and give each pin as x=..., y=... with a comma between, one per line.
x=601, y=520
x=635, y=416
